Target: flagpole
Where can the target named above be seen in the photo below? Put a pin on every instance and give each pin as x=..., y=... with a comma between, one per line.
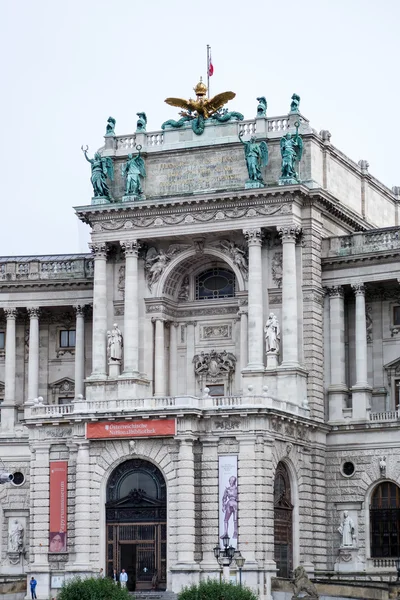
x=208, y=71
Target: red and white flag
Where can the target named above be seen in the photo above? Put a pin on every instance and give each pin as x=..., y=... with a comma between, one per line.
x=210, y=66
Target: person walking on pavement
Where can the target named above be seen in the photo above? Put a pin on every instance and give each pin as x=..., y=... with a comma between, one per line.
x=123, y=578
x=33, y=584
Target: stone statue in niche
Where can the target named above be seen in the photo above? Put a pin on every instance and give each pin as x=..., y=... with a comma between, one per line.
x=276, y=266
x=382, y=466
x=16, y=537
x=347, y=531
x=272, y=332
x=184, y=291
x=114, y=344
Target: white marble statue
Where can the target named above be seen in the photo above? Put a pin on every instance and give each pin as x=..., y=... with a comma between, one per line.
x=272, y=334
x=115, y=343
x=347, y=530
x=382, y=466
x=16, y=537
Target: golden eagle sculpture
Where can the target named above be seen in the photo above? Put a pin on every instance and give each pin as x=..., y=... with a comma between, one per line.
x=203, y=108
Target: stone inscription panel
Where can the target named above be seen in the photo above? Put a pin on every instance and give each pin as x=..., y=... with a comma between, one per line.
x=196, y=171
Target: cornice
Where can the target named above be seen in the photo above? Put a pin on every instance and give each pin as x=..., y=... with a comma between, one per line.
x=34, y=284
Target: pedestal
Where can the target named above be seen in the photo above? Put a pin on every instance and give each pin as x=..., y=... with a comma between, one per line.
x=253, y=184
x=101, y=200
x=133, y=197
x=114, y=368
x=272, y=360
x=287, y=181
x=348, y=560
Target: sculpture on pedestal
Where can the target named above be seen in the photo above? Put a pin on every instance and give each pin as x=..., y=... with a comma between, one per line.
x=303, y=584
x=272, y=334
x=347, y=530
x=199, y=110
x=291, y=152
x=256, y=155
x=382, y=466
x=262, y=107
x=114, y=344
x=110, y=128
x=16, y=537
x=295, y=104
x=141, y=122
x=133, y=170
x=102, y=168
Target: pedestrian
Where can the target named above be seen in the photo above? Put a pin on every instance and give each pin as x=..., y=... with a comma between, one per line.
x=33, y=584
x=115, y=576
x=101, y=574
x=123, y=578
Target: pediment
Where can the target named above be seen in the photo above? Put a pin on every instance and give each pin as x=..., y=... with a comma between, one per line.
x=393, y=367
x=64, y=385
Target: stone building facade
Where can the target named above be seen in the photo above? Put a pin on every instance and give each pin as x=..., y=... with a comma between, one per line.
x=189, y=273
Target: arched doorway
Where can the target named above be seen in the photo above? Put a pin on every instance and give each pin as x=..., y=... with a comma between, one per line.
x=136, y=524
x=384, y=514
x=283, y=522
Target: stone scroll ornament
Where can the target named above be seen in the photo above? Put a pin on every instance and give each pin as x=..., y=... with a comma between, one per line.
x=102, y=169
x=202, y=108
x=291, y=153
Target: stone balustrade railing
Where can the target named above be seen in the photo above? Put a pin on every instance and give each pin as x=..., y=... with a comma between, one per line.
x=38, y=410
x=374, y=241
x=387, y=416
x=79, y=266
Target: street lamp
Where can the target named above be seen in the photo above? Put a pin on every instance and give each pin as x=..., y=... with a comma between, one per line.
x=240, y=560
x=225, y=555
x=398, y=568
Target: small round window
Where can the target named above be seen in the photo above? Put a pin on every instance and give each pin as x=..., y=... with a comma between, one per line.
x=348, y=468
x=18, y=478
x=215, y=283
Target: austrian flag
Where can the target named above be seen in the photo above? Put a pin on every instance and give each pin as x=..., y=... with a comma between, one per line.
x=210, y=67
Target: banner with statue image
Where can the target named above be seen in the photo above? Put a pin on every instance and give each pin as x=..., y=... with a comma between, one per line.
x=58, y=506
x=228, y=498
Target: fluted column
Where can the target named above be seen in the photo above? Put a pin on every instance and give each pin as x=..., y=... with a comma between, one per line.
x=159, y=357
x=8, y=407
x=82, y=506
x=99, y=353
x=361, y=391
x=173, y=359
x=337, y=389
x=131, y=310
x=289, y=326
x=186, y=503
x=33, y=359
x=243, y=337
x=79, y=351
x=255, y=301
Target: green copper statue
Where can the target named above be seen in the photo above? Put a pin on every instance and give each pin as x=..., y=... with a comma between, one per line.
x=142, y=122
x=102, y=168
x=262, y=107
x=256, y=155
x=291, y=152
x=295, y=104
x=133, y=170
x=223, y=115
x=110, y=129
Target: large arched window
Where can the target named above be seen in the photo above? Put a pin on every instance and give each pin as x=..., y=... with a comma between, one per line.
x=215, y=283
x=283, y=522
x=385, y=520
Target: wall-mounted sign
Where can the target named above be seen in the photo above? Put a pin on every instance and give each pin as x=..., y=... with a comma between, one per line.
x=131, y=429
x=58, y=506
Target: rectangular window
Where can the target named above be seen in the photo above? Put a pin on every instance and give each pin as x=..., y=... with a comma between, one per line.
x=216, y=390
x=65, y=400
x=67, y=338
x=3, y=340
x=396, y=315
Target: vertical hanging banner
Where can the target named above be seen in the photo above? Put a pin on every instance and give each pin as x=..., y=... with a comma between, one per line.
x=228, y=498
x=58, y=506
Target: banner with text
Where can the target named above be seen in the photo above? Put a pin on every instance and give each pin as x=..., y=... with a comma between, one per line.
x=228, y=498
x=58, y=506
x=131, y=429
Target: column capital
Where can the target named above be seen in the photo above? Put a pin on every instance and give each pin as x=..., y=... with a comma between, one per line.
x=33, y=312
x=98, y=250
x=175, y=324
x=243, y=310
x=336, y=291
x=11, y=313
x=79, y=310
x=130, y=247
x=253, y=236
x=289, y=233
x=358, y=289
x=162, y=319
x=194, y=323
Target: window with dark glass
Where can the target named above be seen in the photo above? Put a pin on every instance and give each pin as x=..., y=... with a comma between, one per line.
x=2, y=340
x=67, y=338
x=385, y=521
x=216, y=390
x=396, y=315
x=215, y=283
x=64, y=400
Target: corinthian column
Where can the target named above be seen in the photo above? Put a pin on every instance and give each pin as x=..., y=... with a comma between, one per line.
x=361, y=391
x=79, y=351
x=159, y=357
x=33, y=359
x=243, y=337
x=289, y=327
x=255, y=306
x=8, y=406
x=131, y=310
x=173, y=359
x=337, y=389
x=99, y=353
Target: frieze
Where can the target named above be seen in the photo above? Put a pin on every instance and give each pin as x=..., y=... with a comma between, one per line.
x=213, y=332
x=227, y=424
x=59, y=432
x=193, y=312
x=58, y=558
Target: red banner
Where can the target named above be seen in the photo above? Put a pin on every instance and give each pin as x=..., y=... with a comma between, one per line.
x=131, y=429
x=58, y=506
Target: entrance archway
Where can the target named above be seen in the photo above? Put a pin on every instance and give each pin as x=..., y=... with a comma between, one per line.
x=283, y=522
x=136, y=524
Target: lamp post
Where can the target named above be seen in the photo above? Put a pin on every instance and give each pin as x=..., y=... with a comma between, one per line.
x=225, y=556
x=240, y=560
x=398, y=568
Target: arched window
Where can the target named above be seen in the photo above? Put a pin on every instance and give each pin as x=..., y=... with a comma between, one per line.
x=215, y=283
x=283, y=522
x=385, y=520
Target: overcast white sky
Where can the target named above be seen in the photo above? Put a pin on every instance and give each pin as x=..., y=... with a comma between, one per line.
x=67, y=66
